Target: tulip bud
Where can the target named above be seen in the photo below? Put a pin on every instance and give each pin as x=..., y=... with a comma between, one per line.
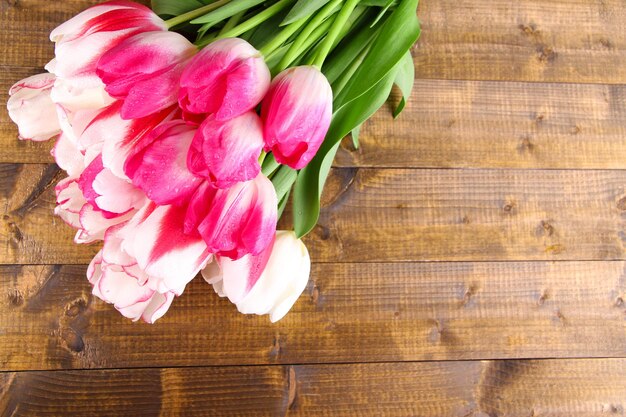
x=31, y=108
x=227, y=78
x=158, y=164
x=296, y=115
x=144, y=71
x=266, y=284
x=227, y=152
x=237, y=221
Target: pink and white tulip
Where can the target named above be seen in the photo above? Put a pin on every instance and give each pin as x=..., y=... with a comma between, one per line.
x=296, y=114
x=32, y=109
x=76, y=211
x=113, y=284
x=107, y=193
x=105, y=130
x=227, y=79
x=227, y=152
x=237, y=221
x=158, y=164
x=82, y=40
x=167, y=257
x=144, y=70
x=266, y=284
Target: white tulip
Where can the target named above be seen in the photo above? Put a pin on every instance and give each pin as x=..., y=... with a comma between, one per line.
x=277, y=288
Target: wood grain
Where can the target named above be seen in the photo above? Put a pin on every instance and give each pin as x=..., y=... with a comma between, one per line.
x=348, y=313
x=529, y=40
x=480, y=124
x=388, y=215
x=558, y=388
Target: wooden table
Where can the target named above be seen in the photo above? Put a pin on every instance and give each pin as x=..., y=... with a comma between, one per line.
x=469, y=260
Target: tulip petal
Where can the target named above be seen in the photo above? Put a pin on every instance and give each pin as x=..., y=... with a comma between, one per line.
x=120, y=136
x=158, y=164
x=68, y=157
x=268, y=284
x=171, y=258
x=144, y=71
x=70, y=201
x=230, y=150
x=227, y=78
x=32, y=109
x=242, y=219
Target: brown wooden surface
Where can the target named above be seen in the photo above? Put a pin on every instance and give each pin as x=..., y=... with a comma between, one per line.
x=581, y=388
x=483, y=230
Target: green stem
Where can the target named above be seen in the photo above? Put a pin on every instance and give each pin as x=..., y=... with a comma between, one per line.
x=185, y=17
x=252, y=22
x=340, y=83
x=336, y=29
x=282, y=37
x=296, y=48
x=232, y=22
x=262, y=157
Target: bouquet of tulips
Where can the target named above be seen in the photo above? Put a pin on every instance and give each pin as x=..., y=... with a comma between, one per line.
x=183, y=139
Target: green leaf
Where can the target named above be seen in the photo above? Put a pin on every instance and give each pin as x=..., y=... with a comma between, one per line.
x=226, y=11
x=266, y=30
x=382, y=12
x=283, y=203
x=347, y=52
x=303, y=8
x=397, y=35
x=176, y=7
x=311, y=179
x=270, y=165
x=404, y=80
x=355, y=136
x=375, y=3
x=283, y=179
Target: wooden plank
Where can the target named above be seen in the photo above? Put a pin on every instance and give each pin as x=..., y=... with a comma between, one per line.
x=388, y=215
x=348, y=313
x=529, y=40
x=455, y=124
x=479, y=124
x=559, y=388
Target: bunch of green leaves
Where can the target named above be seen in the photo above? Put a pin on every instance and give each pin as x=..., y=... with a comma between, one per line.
x=370, y=54
x=362, y=74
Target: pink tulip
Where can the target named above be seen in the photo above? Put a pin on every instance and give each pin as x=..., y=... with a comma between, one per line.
x=227, y=152
x=227, y=78
x=269, y=283
x=31, y=108
x=237, y=221
x=104, y=130
x=144, y=71
x=115, y=284
x=158, y=164
x=296, y=115
x=82, y=40
x=167, y=257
